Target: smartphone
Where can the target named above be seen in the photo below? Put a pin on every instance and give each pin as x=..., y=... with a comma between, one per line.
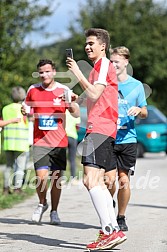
x=69, y=53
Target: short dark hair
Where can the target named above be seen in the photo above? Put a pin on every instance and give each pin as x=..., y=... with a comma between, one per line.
x=43, y=62
x=101, y=35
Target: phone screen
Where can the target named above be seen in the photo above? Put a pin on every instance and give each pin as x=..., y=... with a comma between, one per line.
x=69, y=53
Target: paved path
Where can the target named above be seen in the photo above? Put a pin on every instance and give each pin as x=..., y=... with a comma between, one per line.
x=146, y=217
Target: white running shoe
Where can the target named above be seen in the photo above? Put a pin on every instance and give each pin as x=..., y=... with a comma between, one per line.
x=54, y=218
x=37, y=215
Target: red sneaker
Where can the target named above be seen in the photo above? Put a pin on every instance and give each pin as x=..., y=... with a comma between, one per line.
x=92, y=246
x=122, y=236
x=121, y=240
x=104, y=241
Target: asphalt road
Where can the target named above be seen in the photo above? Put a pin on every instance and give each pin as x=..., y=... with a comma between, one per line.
x=146, y=217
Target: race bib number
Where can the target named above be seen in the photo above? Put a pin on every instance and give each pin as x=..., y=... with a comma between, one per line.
x=47, y=123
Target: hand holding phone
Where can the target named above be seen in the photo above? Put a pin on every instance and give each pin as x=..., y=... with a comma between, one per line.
x=69, y=53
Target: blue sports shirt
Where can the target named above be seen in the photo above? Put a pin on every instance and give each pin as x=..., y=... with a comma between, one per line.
x=131, y=93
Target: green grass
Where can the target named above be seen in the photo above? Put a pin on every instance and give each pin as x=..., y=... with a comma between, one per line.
x=8, y=201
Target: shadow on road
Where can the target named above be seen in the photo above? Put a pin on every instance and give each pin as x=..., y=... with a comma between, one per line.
x=37, y=239
x=145, y=205
x=63, y=224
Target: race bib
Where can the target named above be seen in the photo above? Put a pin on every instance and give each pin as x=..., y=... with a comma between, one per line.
x=47, y=123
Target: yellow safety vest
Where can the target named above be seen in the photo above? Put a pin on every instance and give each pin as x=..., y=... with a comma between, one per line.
x=16, y=135
x=71, y=123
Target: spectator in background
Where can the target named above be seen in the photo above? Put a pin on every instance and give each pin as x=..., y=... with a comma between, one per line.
x=4, y=123
x=16, y=142
x=71, y=130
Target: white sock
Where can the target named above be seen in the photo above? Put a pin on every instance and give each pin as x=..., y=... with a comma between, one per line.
x=98, y=197
x=111, y=209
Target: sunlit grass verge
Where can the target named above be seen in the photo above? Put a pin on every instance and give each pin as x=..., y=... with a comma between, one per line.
x=8, y=201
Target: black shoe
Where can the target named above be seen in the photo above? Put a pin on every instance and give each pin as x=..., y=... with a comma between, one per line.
x=6, y=191
x=122, y=223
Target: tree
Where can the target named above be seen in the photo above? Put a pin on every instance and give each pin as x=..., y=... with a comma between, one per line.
x=140, y=25
x=17, y=19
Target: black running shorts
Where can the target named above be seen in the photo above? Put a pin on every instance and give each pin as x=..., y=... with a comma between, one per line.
x=124, y=157
x=49, y=158
x=97, y=151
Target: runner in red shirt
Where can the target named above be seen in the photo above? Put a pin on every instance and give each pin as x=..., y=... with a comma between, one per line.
x=102, y=107
x=50, y=140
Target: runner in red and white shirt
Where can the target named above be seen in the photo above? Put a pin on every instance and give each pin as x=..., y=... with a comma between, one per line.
x=49, y=112
x=50, y=141
x=102, y=107
x=102, y=115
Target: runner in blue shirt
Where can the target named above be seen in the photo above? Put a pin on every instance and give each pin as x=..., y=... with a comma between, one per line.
x=132, y=103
